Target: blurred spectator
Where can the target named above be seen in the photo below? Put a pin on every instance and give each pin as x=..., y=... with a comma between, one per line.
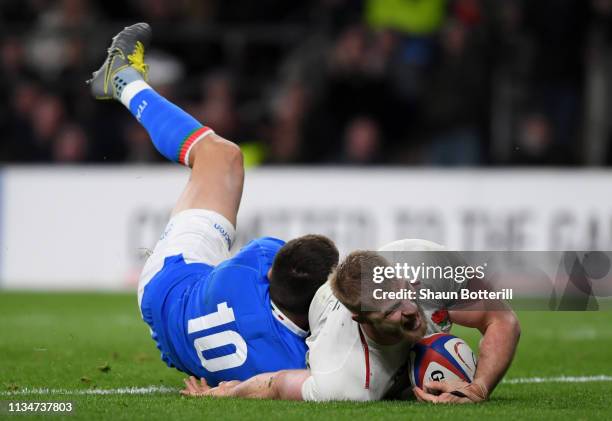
x=160, y=11
x=468, y=12
x=415, y=17
x=286, y=142
x=218, y=107
x=362, y=142
x=12, y=59
x=454, y=102
x=598, y=87
x=442, y=82
x=49, y=44
x=18, y=134
x=70, y=145
x=46, y=118
x=356, y=84
x=417, y=22
x=558, y=30
x=139, y=146
x=535, y=141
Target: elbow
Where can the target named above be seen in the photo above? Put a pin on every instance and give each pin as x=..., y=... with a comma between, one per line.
x=516, y=326
x=504, y=321
x=513, y=325
x=276, y=383
x=286, y=386
x=517, y=330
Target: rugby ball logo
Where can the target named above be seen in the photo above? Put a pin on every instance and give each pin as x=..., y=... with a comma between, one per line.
x=441, y=357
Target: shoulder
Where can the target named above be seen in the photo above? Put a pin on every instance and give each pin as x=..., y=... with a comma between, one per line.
x=321, y=305
x=264, y=243
x=265, y=247
x=257, y=254
x=334, y=333
x=438, y=319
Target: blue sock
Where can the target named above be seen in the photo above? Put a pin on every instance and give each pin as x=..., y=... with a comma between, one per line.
x=172, y=130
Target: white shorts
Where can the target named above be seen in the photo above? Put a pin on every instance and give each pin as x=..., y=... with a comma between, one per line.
x=201, y=236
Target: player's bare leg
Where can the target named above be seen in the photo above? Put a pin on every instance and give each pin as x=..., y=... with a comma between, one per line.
x=217, y=177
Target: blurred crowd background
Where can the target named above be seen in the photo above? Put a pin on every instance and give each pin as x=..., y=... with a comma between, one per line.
x=355, y=82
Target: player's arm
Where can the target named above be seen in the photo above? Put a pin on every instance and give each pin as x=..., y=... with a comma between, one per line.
x=285, y=384
x=501, y=332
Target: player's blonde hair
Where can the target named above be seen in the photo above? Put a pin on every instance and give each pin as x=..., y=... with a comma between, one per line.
x=352, y=278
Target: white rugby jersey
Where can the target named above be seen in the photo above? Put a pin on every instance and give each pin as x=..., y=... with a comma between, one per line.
x=344, y=363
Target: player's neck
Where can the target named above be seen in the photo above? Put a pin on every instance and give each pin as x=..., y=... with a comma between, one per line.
x=301, y=321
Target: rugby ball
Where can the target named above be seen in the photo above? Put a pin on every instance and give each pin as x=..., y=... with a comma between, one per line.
x=440, y=357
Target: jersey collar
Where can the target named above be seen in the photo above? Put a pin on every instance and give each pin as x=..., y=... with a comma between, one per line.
x=280, y=316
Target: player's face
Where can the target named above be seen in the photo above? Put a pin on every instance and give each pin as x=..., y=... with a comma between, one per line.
x=403, y=319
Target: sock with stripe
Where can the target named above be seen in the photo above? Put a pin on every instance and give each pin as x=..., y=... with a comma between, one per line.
x=173, y=132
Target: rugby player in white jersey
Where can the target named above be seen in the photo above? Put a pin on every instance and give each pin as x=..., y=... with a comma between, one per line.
x=359, y=355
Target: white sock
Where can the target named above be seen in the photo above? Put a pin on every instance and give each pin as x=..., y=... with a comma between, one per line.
x=131, y=90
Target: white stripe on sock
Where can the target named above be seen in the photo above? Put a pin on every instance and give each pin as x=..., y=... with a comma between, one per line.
x=131, y=90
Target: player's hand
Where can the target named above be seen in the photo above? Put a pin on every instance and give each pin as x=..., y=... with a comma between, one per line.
x=451, y=392
x=423, y=396
x=201, y=388
x=195, y=388
x=224, y=389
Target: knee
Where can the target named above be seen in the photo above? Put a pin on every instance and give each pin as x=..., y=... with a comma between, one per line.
x=229, y=152
x=224, y=152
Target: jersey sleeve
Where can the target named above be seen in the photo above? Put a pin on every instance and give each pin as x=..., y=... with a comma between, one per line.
x=333, y=386
x=335, y=356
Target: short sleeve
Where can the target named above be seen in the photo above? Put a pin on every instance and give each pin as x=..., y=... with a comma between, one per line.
x=332, y=386
x=309, y=390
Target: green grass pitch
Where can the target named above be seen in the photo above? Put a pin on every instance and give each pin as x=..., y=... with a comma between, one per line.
x=72, y=343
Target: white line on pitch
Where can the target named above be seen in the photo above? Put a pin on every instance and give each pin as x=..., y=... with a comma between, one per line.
x=559, y=379
x=146, y=390
x=120, y=391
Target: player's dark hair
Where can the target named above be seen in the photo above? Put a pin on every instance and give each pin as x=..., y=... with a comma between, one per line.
x=300, y=267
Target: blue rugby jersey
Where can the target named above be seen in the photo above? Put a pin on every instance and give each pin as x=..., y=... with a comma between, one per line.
x=217, y=322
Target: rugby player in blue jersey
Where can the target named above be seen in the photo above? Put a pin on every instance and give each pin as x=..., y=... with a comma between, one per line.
x=213, y=316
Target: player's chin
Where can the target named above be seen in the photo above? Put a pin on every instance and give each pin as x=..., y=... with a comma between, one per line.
x=415, y=330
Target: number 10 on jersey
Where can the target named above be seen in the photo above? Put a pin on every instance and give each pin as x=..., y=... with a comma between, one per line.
x=222, y=316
